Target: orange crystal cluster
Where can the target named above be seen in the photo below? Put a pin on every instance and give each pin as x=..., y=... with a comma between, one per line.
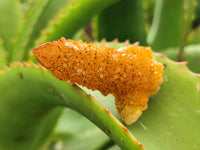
x=131, y=74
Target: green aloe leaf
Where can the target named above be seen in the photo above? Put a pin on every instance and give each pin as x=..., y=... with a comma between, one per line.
x=49, y=11
x=66, y=23
x=194, y=36
x=173, y=115
x=123, y=20
x=2, y=55
x=191, y=56
x=26, y=109
x=170, y=122
x=75, y=132
x=31, y=19
x=172, y=119
x=171, y=23
x=10, y=21
x=25, y=128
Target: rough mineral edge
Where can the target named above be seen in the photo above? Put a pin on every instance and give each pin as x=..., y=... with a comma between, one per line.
x=131, y=74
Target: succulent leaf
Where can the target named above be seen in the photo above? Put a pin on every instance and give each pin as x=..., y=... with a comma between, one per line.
x=10, y=22
x=49, y=11
x=17, y=52
x=32, y=100
x=171, y=23
x=166, y=120
x=191, y=56
x=66, y=23
x=75, y=132
x=194, y=37
x=123, y=20
x=2, y=55
x=44, y=94
x=172, y=118
x=25, y=119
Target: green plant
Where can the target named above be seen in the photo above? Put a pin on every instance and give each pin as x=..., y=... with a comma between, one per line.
x=33, y=113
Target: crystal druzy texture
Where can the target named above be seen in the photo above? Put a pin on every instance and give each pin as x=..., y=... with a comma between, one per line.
x=131, y=74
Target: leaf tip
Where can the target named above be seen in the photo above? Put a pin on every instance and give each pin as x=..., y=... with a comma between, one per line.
x=103, y=40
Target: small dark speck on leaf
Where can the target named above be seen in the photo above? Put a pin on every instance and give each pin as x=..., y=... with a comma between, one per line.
x=108, y=130
x=21, y=75
x=74, y=85
x=165, y=65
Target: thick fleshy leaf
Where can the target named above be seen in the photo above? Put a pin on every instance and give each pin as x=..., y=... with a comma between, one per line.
x=172, y=118
x=191, y=56
x=10, y=21
x=170, y=122
x=32, y=96
x=194, y=36
x=49, y=11
x=2, y=55
x=171, y=23
x=66, y=23
x=75, y=132
x=123, y=20
x=35, y=11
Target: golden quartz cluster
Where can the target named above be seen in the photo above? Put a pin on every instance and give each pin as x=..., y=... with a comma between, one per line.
x=131, y=74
